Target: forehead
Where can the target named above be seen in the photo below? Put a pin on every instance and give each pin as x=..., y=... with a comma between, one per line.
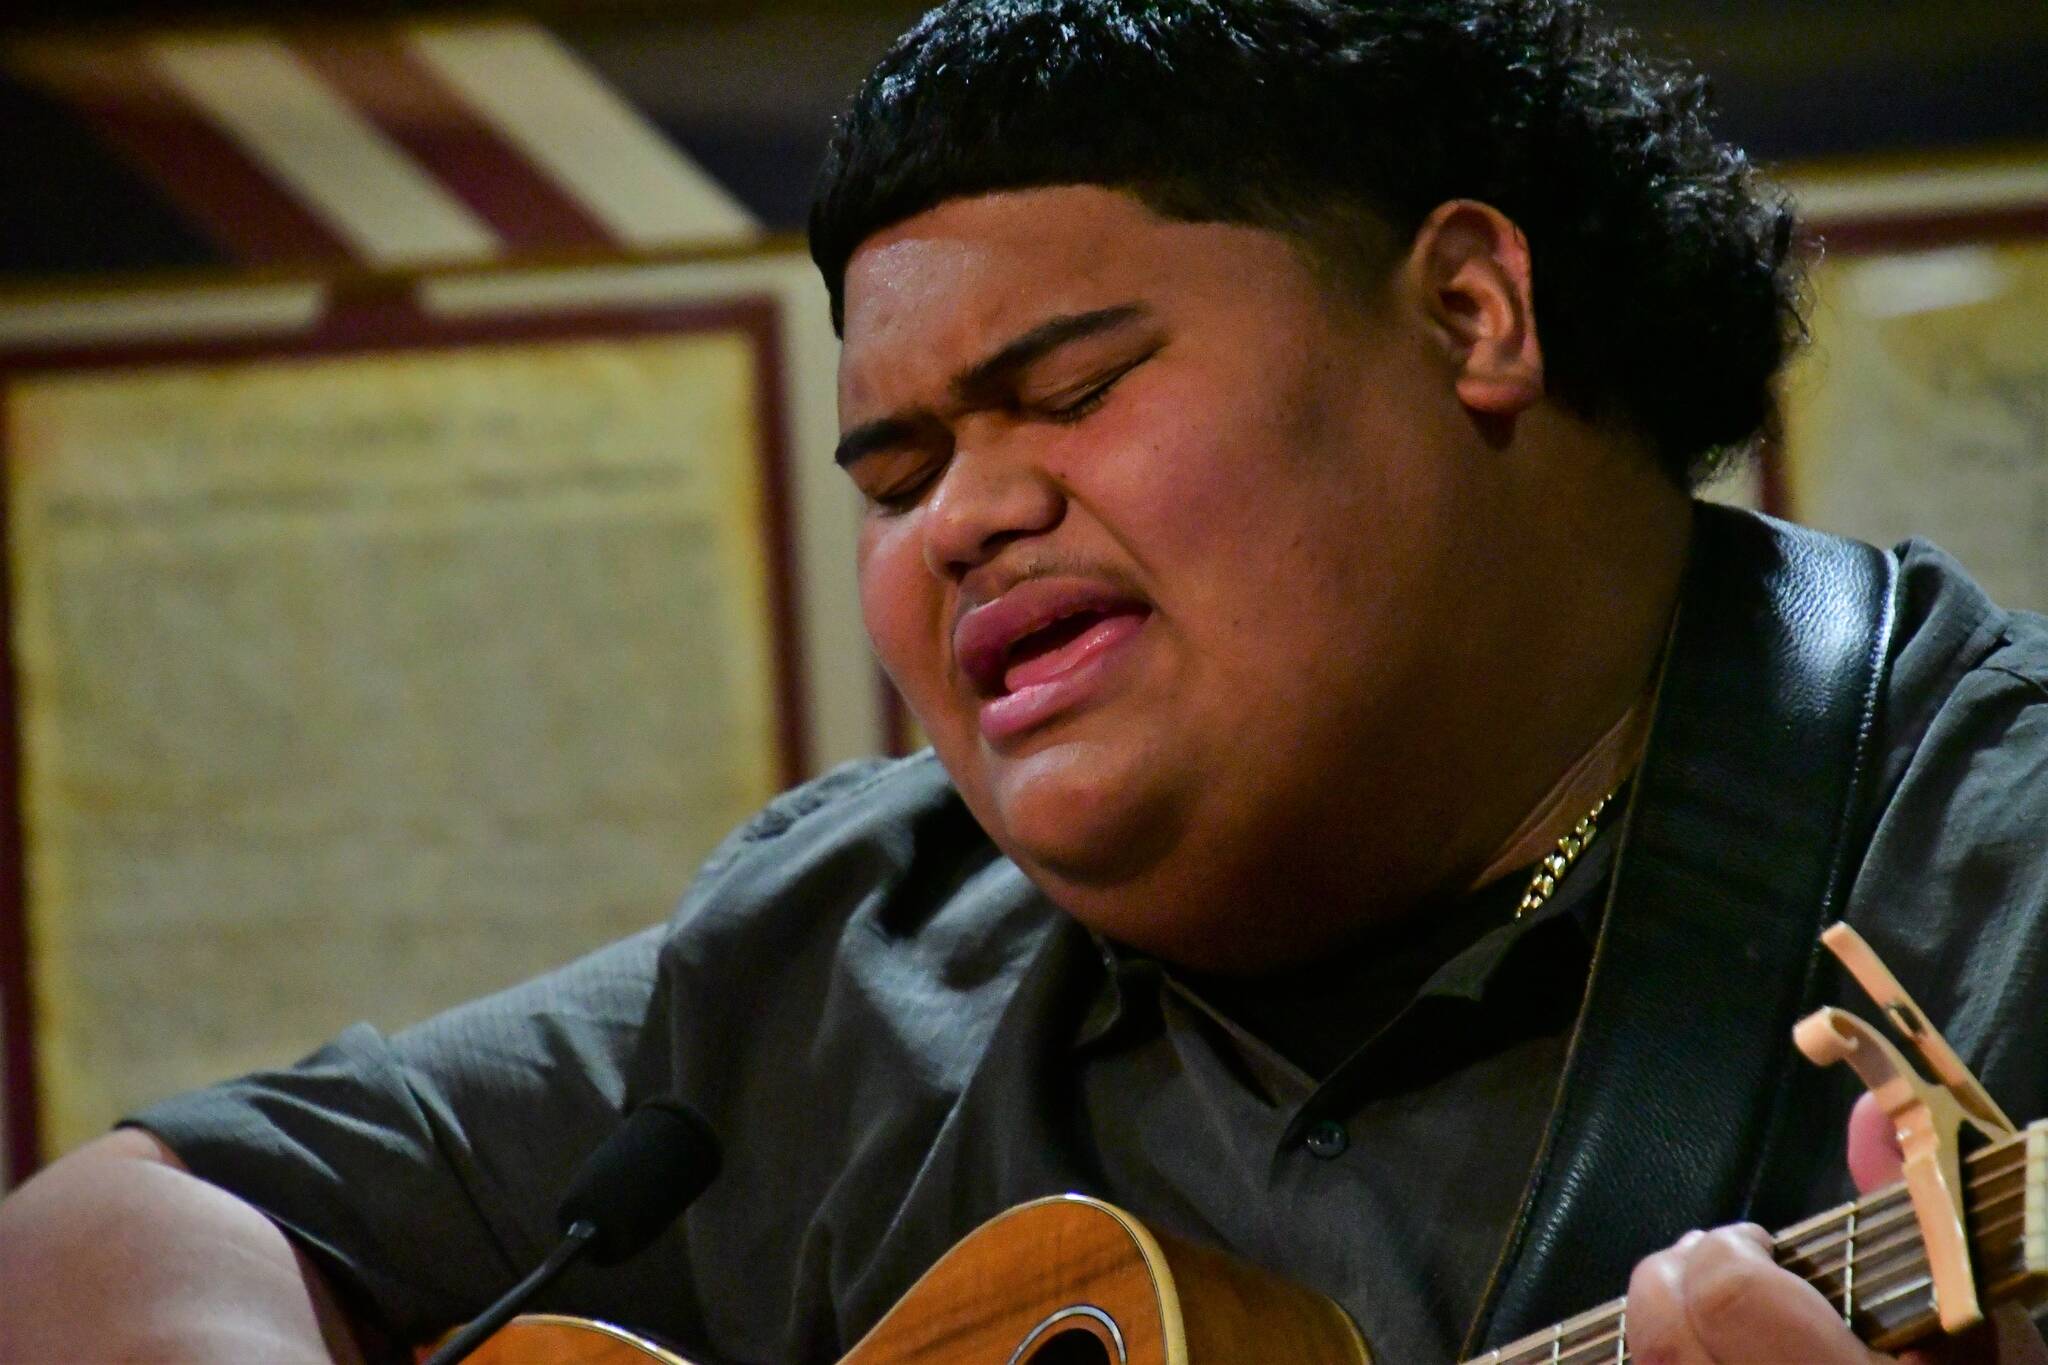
x=974, y=268
x=943, y=289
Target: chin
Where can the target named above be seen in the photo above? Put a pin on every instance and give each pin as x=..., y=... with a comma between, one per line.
x=1067, y=814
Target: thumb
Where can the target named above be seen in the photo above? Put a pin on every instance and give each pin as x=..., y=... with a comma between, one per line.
x=1874, y=1158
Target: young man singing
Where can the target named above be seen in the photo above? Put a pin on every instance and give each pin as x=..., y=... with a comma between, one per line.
x=1377, y=820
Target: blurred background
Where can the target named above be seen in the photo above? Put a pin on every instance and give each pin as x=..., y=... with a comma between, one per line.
x=421, y=541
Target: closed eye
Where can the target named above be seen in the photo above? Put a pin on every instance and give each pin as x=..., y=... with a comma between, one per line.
x=1077, y=404
x=900, y=498
x=1075, y=409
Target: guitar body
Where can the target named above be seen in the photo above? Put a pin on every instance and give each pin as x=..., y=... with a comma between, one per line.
x=553, y=1339
x=1062, y=1281
x=1074, y=1281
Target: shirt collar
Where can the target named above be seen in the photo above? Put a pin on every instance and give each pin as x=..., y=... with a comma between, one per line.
x=1127, y=1000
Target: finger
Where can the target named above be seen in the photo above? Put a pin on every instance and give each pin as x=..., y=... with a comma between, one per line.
x=1659, y=1332
x=1874, y=1158
x=1745, y=1307
x=1721, y=1297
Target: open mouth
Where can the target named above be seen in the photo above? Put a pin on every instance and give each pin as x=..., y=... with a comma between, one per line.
x=1040, y=632
x=1043, y=650
x=1051, y=650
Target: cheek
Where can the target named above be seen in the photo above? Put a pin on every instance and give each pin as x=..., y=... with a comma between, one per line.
x=1262, y=527
x=1217, y=495
x=899, y=606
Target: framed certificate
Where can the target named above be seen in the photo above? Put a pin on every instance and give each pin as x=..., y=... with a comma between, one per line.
x=1921, y=407
x=372, y=652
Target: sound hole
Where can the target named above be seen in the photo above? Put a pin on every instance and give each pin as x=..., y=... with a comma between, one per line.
x=1075, y=1346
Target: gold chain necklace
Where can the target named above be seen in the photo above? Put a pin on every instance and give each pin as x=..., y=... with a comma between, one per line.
x=1551, y=870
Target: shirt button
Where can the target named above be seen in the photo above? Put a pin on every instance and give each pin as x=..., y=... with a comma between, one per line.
x=1327, y=1140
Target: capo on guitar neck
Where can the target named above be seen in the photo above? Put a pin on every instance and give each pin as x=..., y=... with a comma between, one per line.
x=1928, y=1118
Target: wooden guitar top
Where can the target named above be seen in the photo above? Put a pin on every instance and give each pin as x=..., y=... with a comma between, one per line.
x=1061, y=1281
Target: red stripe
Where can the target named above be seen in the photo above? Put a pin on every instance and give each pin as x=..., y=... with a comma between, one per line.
x=778, y=516
x=1908, y=232
x=416, y=109
x=223, y=190
x=895, y=716
x=17, y=1001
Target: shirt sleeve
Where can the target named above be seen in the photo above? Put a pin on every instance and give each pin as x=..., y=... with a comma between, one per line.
x=1953, y=891
x=423, y=1169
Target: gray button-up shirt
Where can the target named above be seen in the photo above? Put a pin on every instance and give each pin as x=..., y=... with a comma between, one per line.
x=897, y=1038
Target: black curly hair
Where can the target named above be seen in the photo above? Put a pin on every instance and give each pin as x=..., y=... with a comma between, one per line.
x=1668, y=277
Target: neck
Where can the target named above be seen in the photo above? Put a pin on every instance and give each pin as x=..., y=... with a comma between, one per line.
x=1598, y=583
x=1594, y=776
x=1534, y=706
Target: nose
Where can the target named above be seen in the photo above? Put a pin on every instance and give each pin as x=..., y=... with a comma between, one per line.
x=986, y=498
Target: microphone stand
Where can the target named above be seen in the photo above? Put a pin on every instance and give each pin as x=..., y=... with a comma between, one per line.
x=476, y=1333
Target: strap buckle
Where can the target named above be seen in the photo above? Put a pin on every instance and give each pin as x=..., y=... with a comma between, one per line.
x=1927, y=1117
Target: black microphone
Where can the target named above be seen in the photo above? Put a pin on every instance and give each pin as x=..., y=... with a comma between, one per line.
x=621, y=1198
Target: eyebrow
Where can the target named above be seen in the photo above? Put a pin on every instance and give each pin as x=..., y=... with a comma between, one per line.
x=870, y=437
x=1048, y=336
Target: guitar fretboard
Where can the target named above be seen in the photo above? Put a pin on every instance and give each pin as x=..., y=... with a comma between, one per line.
x=1865, y=1258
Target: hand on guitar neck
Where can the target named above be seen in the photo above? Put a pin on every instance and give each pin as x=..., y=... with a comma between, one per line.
x=1717, y=1298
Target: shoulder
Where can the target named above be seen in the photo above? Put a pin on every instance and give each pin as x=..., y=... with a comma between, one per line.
x=866, y=908
x=886, y=843
x=862, y=803
x=1949, y=627
x=1967, y=697
x=1954, y=884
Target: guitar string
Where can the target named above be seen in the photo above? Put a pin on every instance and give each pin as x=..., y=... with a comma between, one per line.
x=1894, y=1198
x=1881, y=1213
x=1886, y=1210
x=1880, y=1276
x=1545, y=1344
x=1997, y=1225
x=1601, y=1347
x=1989, y=1166
x=1905, y=1236
x=1598, y=1347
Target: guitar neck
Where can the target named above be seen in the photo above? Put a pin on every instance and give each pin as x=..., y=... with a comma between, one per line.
x=1867, y=1259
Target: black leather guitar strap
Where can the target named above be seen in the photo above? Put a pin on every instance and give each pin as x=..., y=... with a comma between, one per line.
x=1738, y=845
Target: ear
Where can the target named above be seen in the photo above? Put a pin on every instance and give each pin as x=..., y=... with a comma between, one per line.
x=1469, y=271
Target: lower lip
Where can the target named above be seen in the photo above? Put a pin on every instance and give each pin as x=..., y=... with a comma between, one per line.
x=1029, y=707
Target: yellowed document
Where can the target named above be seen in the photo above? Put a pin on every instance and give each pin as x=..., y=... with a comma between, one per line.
x=1922, y=408
x=354, y=686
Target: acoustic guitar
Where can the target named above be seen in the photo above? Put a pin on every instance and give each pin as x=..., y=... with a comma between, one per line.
x=1074, y=1281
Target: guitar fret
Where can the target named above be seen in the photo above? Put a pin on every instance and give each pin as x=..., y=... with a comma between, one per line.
x=1849, y=1274
x=1889, y=1210
x=1872, y=1245
x=1891, y=1207
x=1911, y=1261
x=1886, y=1290
x=1919, y=1284
x=1902, y=1238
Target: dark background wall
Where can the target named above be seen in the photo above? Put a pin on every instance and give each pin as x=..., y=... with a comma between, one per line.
x=749, y=89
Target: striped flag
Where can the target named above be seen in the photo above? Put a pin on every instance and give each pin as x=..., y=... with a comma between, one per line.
x=408, y=147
